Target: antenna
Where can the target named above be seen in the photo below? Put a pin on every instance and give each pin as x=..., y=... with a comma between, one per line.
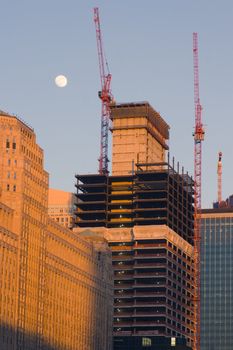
x=219, y=172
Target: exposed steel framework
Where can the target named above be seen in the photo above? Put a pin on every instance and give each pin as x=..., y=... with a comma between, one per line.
x=219, y=172
x=154, y=279
x=198, y=138
x=105, y=96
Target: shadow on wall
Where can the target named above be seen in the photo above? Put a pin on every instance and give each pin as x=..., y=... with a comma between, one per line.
x=10, y=339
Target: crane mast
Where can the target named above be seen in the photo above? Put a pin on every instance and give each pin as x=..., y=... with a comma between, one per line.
x=219, y=172
x=105, y=96
x=198, y=138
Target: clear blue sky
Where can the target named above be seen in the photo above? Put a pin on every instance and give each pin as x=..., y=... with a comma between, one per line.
x=149, y=49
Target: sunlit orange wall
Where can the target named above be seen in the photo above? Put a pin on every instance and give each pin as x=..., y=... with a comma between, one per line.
x=52, y=289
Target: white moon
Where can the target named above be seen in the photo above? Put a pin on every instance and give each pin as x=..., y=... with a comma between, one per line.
x=61, y=81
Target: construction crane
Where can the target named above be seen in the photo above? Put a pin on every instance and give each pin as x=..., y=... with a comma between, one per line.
x=105, y=96
x=198, y=138
x=219, y=172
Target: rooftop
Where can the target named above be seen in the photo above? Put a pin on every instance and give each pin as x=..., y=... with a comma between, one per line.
x=136, y=109
x=59, y=197
x=217, y=210
x=6, y=114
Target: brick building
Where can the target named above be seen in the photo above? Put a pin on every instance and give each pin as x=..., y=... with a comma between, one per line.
x=61, y=206
x=55, y=287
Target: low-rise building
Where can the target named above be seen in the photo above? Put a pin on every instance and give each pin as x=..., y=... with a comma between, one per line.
x=61, y=207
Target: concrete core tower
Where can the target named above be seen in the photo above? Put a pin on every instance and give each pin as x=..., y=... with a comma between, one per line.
x=139, y=135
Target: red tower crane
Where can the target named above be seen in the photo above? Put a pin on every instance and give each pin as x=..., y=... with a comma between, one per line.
x=219, y=172
x=198, y=138
x=105, y=96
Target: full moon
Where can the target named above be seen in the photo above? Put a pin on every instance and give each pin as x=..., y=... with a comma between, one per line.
x=61, y=81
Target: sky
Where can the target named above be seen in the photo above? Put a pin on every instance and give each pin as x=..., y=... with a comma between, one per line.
x=148, y=45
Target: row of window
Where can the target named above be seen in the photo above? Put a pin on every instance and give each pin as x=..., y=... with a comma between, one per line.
x=174, y=247
x=217, y=221
x=9, y=162
x=8, y=188
x=9, y=175
x=63, y=210
x=31, y=155
x=26, y=133
x=63, y=219
x=8, y=144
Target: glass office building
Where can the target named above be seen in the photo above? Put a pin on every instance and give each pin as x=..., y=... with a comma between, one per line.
x=217, y=279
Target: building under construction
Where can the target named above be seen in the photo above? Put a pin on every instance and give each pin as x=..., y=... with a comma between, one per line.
x=145, y=211
x=139, y=135
x=149, y=197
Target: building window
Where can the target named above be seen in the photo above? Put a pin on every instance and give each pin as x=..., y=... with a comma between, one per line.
x=146, y=342
x=14, y=188
x=14, y=175
x=8, y=174
x=9, y=162
x=8, y=187
x=173, y=341
x=14, y=144
x=7, y=143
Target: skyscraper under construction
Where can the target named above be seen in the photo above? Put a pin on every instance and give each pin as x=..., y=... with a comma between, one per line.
x=145, y=211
